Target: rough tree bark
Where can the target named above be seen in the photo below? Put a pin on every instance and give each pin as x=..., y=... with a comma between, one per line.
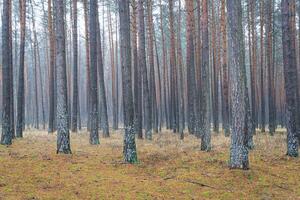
x=225, y=102
x=142, y=65
x=190, y=64
x=102, y=92
x=7, y=134
x=205, y=127
x=51, y=127
x=262, y=66
x=63, y=135
x=93, y=96
x=75, y=68
x=290, y=75
x=129, y=150
x=151, y=65
x=270, y=67
x=173, y=74
x=164, y=66
x=137, y=76
x=21, y=88
x=215, y=75
x=238, y=150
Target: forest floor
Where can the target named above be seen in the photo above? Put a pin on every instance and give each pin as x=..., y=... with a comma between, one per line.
x=168, y=169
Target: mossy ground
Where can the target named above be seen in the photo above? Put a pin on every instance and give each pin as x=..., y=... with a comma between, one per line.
x=168, y=169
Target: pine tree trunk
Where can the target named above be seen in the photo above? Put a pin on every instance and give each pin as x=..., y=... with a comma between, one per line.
x=205, y=128
x=190, y=64
x=51, y=125
x=164, y=74
x=253, y=63
x=7, y=134
x=290, y=75
x=238, y=150
x=102, y=92
x=75, y=68
x=270, y=67
x=129, y=150
x=151, y=65
x=180, y=77
x=262, y=66
x=137, y=76
x=215, y=86
x=93, y=111
x=63, y=136
x=21, y=80
x=87, y=54
x=142, y=65
x=225, y=92
x=173, y=74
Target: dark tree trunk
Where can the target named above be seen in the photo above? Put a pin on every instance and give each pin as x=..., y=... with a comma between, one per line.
x=129, y=150
x=180, y=77
x=215, y=75
x=173, y=74
x=205, y=123
x=7, y=134
x=262, y=67
x=164, y=66
x=63, y=136
x=142, y=65
x=93, y=96
x=190, y=64
x=102, y=92
x=253, y=62
x=270, y=67
x=75, y=98
x=225, y=102
x=151, y=65
x=290, y=75
x=11, y=82
x=51, y=124
x=21, y=80
x=238, y=150
x=137, y=76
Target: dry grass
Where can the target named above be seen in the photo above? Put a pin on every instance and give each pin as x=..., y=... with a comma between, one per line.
x=168, y=169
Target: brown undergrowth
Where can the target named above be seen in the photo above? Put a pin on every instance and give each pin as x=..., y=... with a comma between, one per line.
x=168, y=169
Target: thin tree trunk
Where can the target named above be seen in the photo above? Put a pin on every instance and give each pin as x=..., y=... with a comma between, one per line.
x=226, y=124
x=75, y=68
x=102, y=93
x=173, y=74
x=164, y=66
x=87, y=54
x=21, y=80
x=151, y=65
x=215, y=93
x=93, y=111
x=262, y=66
x=270, y=66
x=113, y=72
x=51, y=127
x=142, y=65
x=137, y=76
x=180, y=77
